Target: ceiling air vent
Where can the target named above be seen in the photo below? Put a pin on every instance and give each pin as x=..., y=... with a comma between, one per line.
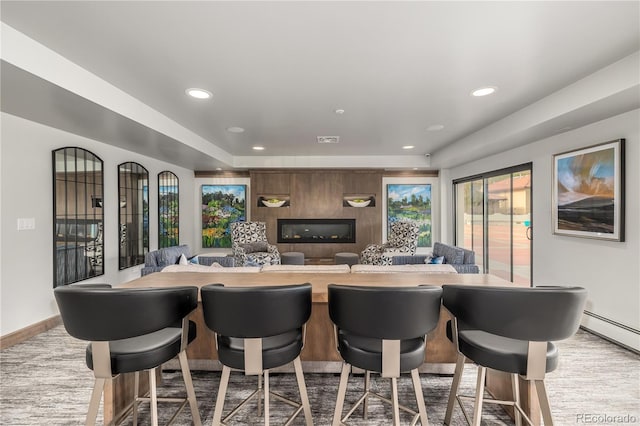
x=328, y=139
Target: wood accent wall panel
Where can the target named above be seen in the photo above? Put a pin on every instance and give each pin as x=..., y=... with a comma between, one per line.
x=270, y=182
x=363, y=181
x=318, y=194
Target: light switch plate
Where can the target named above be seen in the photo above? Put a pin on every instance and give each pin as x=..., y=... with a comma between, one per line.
x=26, y=223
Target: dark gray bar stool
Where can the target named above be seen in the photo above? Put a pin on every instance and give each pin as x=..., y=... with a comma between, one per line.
x=257, y=329
x=510, y=329
x=383, y=329
x=131, y=330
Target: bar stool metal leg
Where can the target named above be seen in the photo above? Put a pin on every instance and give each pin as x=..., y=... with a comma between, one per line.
x=394, y=401
x=453, y=393
x=417, y=388
x=188, y=384
x=222, y=391
x=477, y=408
x=515, y=386
x=136, y=395
x=259, y=395
x=342, y=390
x=302, y=387
x=94, y=405
x=266, y=397
x=367, y=387
x=154, y=397
x=544, y=402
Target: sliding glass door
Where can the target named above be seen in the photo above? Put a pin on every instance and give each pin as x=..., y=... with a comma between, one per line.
x=493, y=218
x=469, y=218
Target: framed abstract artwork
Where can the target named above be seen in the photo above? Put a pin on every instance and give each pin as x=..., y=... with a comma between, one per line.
x=221, y=206
x=588, y=192
x=411, y=201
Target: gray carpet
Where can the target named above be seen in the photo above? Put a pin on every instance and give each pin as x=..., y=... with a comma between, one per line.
x=45, y=381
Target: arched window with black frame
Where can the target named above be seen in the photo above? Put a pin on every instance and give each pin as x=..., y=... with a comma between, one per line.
x=133, y=217
x=168, y=210
x=78, y=218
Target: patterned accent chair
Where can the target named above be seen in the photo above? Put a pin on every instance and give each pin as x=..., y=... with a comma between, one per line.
x=93, y=249
x=250, y=247
x=403, y=240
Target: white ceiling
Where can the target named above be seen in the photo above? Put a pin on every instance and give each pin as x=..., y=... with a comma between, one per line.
x=280, y=69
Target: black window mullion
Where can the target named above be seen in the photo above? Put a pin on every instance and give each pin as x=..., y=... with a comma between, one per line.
x=511, y=226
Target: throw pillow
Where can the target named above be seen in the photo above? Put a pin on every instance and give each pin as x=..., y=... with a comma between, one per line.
x=194, y=260
x=259, y=246
x=215, y=265
x=183, y=260
x=248, y=248
x=438, y=260
x=256, y=246
x=452, y=255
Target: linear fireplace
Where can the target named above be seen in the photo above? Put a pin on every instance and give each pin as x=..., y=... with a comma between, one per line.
x=316, y=230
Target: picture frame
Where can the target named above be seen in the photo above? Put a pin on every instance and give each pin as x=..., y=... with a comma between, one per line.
x=411, y=201
x=221, y=206
x=588, y=192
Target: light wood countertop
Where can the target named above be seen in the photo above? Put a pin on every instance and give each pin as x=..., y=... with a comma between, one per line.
x=319, y=281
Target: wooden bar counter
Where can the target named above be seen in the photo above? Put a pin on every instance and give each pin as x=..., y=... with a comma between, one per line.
x=319, y=353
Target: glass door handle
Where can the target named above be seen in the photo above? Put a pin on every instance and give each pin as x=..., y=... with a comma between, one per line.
x=529, y=232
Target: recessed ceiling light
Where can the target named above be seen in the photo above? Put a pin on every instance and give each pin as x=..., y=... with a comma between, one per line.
x=218, y=168
x=235, y=129
x=435, y=127
x=339, y=111
x=258, y=148
x=415, y=168
x=484, y=91
x=408, y=147
x=198, y=93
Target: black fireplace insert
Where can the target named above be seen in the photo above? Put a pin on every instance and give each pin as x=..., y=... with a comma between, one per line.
x=316, y=231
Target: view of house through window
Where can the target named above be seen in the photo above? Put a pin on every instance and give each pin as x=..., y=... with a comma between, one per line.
x=168, y=210
x=493, y=218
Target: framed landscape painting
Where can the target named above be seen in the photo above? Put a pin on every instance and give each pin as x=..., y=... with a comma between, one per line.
x=409, y=201
x=221, y=206
x=588, y=192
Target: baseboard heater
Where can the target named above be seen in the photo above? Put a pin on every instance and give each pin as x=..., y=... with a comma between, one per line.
x=616, y=324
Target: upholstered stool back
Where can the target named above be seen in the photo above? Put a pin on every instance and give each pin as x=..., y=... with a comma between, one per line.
x=131, y=330
x=251, y=312
x=96, y=313
x=512, y=330
x=383, y=329
x=532, y=314
x=258, y=328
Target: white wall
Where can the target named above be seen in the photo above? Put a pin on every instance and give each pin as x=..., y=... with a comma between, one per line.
x=26, y=264
x=610, y=271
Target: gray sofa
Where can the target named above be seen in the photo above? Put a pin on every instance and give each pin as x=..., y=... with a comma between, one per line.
x=156, y=260
x=463, y=260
